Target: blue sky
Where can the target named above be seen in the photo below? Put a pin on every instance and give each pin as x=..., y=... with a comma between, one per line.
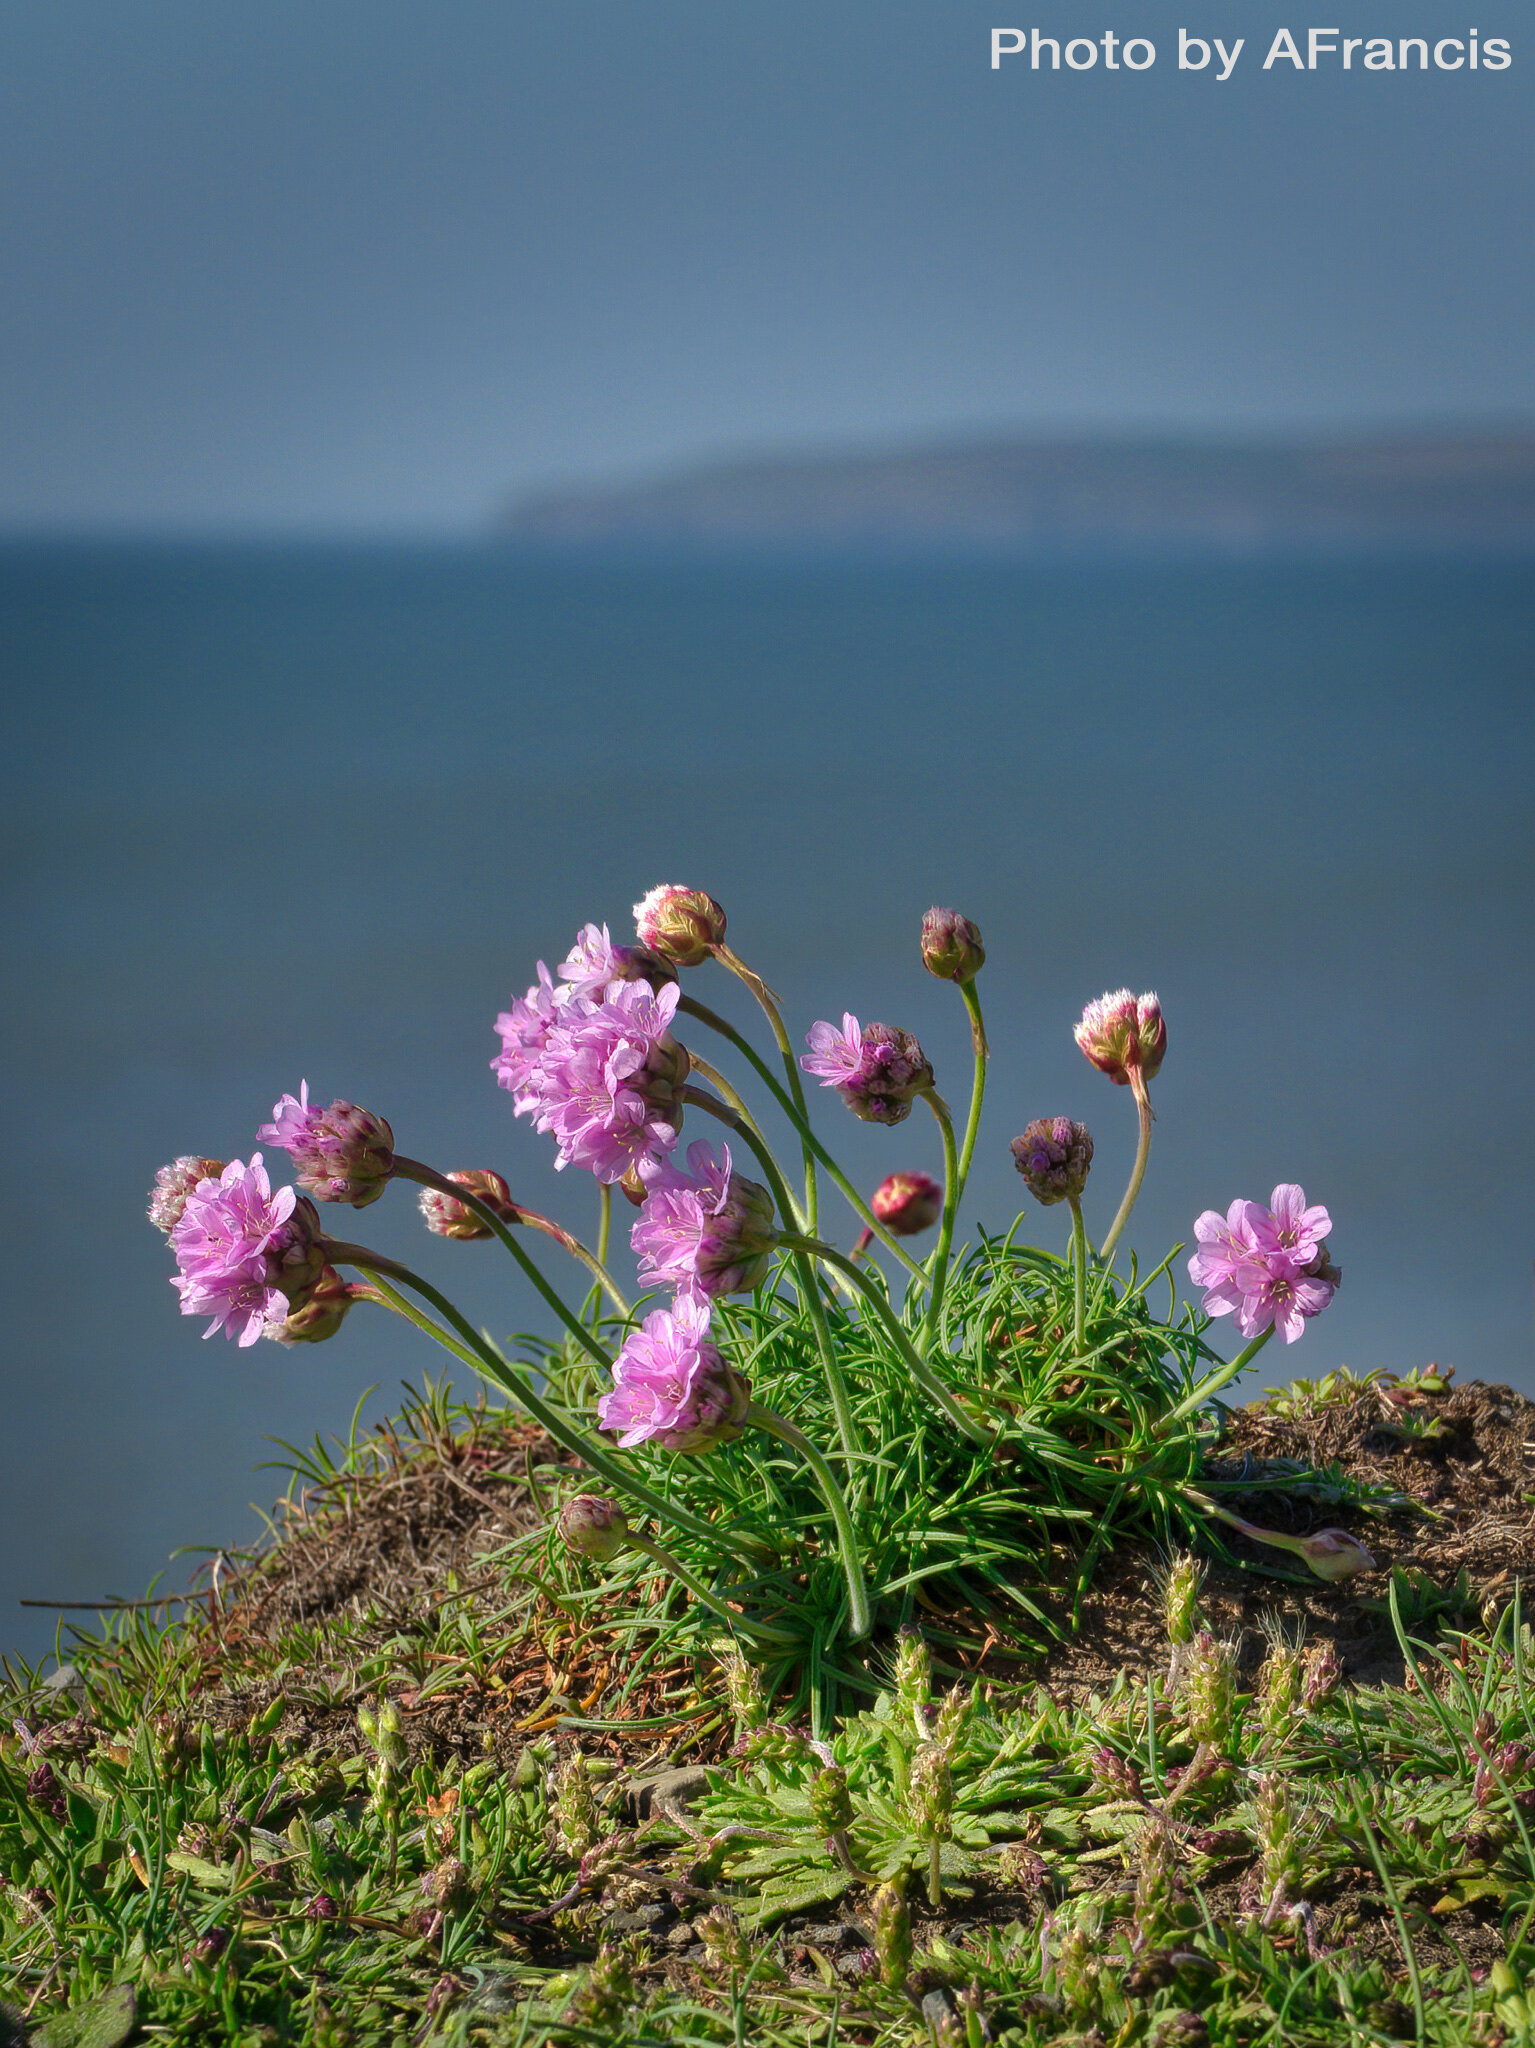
x=381, y=263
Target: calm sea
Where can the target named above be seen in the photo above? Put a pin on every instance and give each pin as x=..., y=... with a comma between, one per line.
x=276, y=813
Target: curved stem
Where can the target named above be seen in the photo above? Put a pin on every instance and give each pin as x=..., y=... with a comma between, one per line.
x=939, y=1265
x=769, y=1006
x=428, y=1177
x=500, y=1373
x=1079, y=1260
x=921, y=1371
x=860, y=1207
x=810, y=1292
x=859, y=1620
x=705, y=1598
x=604, y=1221
x=1138, y=1171
x=977, y=1085
x=1208, y=1388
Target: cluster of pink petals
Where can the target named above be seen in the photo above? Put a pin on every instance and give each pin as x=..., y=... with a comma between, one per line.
x=592, y=1061
x=1265, y=1266
x=671, y=1386
x=1123, y=1035
x=247, y=1257
x=709, y=1231
x=877, y=1070
x=340, y=1153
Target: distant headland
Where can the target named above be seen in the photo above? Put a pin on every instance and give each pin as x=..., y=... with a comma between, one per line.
x=1449, y=490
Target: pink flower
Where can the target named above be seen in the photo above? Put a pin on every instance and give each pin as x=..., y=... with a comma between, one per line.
x=1123, y=1035
x=247, y=1257
x=1265, y=1266
x=340, y=1154
x=712, y=1233
x=834, y=1056
x=525, y=1030
x=671, y=1386
x=594, y=962
x=877, y=1069
x=610, y=1080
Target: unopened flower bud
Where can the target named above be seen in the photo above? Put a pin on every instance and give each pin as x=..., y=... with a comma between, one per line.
x=173, y=1183
x=892, y=1935
x=1334, y=1554
x=340, y=1153
x=682, y=925
x=951, y=946
x=831, y=1807
x=1054, y=1155
x=320, y=1316
x=877, y=1069
x=445, y=1216
x=1123, y=1035
x=908, y=1203
x=593, y=1527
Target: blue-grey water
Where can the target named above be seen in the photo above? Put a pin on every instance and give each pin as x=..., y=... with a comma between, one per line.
x=314, y=811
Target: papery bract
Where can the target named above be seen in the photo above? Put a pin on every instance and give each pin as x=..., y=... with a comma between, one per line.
x=248, y=1257
x=683, y=925
x=173, y=1183
x=712, y=1232
x=1123, y=1035
x=951, y=946
x=672, y=1387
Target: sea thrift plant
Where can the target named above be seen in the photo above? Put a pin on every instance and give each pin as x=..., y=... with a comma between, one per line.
x=815, y=1419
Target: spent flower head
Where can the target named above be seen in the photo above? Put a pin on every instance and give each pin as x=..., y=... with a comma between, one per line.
x=951, y=946
x=684, y=926
x=247, y=1257
x=340, y=1153
x=173, y=1183
x=1123, y=1035
x=709, y=1231
x=1054, y=1155
x=672, y=1387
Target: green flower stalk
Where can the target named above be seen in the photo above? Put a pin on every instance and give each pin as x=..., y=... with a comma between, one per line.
x=930, y=1809
x=892, y=1934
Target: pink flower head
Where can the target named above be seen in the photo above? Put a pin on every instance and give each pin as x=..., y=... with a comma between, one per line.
x=1123, y=1035
x=877, y=1069
x=671, y=1387
x=525, y=1030
x=1265, y=1266
x=340, y=1153
x=1054, y=1156
x=247, y=1257
x=683, y=925
x=908, y=1203
x=712, y=1233
x=173, y=1183
x=594, y=962
x=610, y=1080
